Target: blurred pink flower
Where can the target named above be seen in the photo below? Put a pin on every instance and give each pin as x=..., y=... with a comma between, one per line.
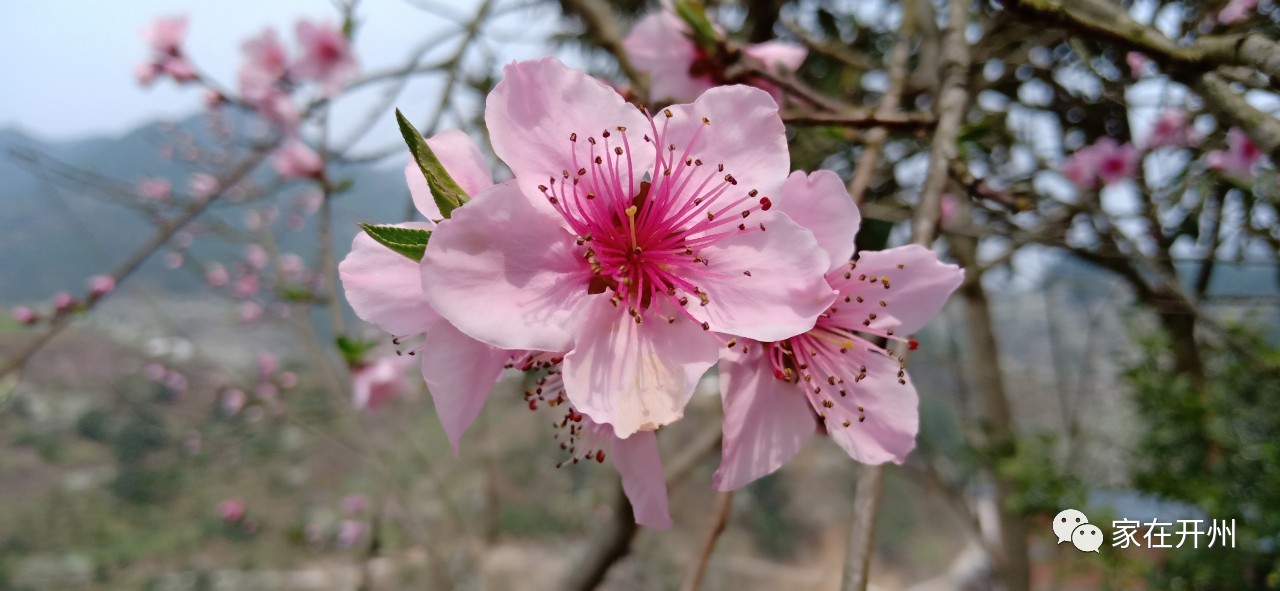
x=326, y=56
x=23, y=314
x=256, y=257
x=175, y=381
x=1105, y=160
x=203, y=185
x=101, y=285
x=62, y=301
x=292, y=267
x=287, y=380
x=350, y=532
x=353, y=504
x=375, y=383
x=1240, y=156
x=178, y=68
x=1237, y=11
x=173, y=260
x=146, y=73
x=156, y=371
x=630, y=277
x=250, y=312
x=1170, y=129
x=279, y=109
x=246, y=286
x=154, y=188
x=166, y=34
x=776, y=395
x=232, y=402
x=296, y=160
x=680, y=70
x=1137, y=63
x=268, y=364
x=265, y=63
x=216, y=275
x=231, y=510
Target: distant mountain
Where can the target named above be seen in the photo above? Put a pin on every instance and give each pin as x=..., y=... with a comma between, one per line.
x=55, y=233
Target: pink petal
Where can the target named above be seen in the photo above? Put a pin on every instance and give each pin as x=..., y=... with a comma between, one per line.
x=746, y=135
x=460, y=371
x=637, y=461
x=635, y=377
x=892, y=419
x=766, y=420
x=776, y=54
x=658, y=45
x=461, y=157
x=784, y=293
x=385, y=288
x=506, y=273
x=534, y=109
x=917, y=291
x=821, y=203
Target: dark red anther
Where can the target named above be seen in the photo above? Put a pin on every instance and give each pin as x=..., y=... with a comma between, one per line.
x=533, y=404
x=765, y=203
x=600, y=456
x=777, y=373
x=913, y=344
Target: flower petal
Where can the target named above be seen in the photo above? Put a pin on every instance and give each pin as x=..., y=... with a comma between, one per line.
x=385, y=288
x=505, y=273
x=919, y=285
x=658, y=45
x=460, y=372
x=777, y=55
x=534, y=109
x=821, y=203
x=766, y=420
x=635, y=377
x=746, y=135
x=784, y=292
x=891, y=409
x=462, y=159
x=636, y=459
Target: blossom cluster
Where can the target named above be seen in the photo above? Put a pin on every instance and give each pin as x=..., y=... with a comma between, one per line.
x=631, y=253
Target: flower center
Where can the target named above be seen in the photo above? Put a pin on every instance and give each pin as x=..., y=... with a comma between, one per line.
x=641, y=229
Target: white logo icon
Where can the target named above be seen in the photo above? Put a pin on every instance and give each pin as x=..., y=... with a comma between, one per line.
x=1067, y=521
x=1086, y=537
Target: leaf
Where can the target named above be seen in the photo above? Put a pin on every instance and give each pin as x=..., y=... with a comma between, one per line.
x=446, y=192
x=704, y=33
x=410, y=242
x=353, y=350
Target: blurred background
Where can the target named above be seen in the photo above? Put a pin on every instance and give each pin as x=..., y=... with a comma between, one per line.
x=188, y=403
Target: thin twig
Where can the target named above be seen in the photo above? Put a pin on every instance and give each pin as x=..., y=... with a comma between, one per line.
x=724, y=505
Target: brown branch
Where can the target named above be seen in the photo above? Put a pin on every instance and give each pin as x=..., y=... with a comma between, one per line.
x=724, y=505
x=125, y=269
x=602, y=25
x=888, y=107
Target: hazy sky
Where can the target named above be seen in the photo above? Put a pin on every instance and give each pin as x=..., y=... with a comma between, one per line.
x=67, y=66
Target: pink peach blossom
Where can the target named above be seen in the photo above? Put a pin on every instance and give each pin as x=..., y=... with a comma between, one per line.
x=1137, y=63
x=326, y=56
x=146, y=73
x=580, y=253
x=23, y=314
x=375, y=383
x=62, y=301
x=265, y=63
x=350, y=532
x=101, y=285
x=232, y=401
x=256, y=257
x=385, y=289
x=277, y=108
x=680, y=70
x=231, y=510
x=777, y=394
x=154, y=189
x=1105, y=160
x=1239, y=158
x=287, y=380
x=250, y=312
x=1237, y=11
x=296, y=160
x=216, y=275
x=292, y=267
x=203, y=185
x=268, y=364
x=156, y=371
x=1170, y=129
x=166, y=34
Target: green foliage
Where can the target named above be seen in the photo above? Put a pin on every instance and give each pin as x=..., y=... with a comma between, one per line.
x=771, y=530
x=695, y=15
x=446, y=192
x=410, y=242
x=94, y=425
x=1218, y=449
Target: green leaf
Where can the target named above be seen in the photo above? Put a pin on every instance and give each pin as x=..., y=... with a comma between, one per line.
x=353, y=350
x=447, y=194
x=410, y=242
x=693, y=13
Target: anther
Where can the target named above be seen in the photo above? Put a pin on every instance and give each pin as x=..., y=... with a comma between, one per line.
x=573, y=137
x=731, y=343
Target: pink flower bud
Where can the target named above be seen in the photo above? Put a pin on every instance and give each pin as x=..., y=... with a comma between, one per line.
x=100, y=285
x=62, y=301
x=232, y=401
x=23, y=314
x=296, y=160
x=231, y=510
